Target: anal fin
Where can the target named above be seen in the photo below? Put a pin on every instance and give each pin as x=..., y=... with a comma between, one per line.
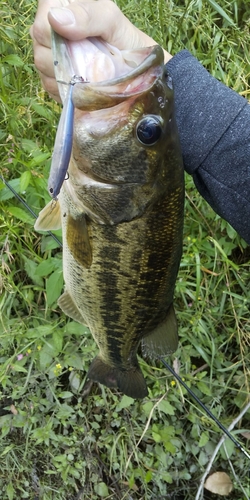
x=131, y=382
x=163, y=340
x=68, y=306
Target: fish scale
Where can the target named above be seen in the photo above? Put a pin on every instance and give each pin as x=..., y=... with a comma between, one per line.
x=126, y=294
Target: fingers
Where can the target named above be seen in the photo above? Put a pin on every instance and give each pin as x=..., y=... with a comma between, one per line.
x=81, y=19
x=44, y=63
x=40, y=30
x=102, y=18
x=78, y=20
x=40, y=33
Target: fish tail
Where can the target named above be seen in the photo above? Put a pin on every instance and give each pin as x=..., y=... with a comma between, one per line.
x=131, y=382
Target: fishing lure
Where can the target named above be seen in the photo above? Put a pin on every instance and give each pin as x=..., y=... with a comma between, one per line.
x=63, y=142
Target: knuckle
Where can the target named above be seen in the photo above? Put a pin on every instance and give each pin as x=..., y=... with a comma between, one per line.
x=112, y=7
x=38, y=33
x=50, y=85
x=38, y=60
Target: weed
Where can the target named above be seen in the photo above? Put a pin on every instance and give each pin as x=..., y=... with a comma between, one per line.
x=55, y=444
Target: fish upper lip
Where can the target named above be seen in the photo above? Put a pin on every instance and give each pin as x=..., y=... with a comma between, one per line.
x=65, y=68
x=155, y=58
x=90, y=96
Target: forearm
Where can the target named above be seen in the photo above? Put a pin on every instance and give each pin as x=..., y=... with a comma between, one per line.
x=214, y=128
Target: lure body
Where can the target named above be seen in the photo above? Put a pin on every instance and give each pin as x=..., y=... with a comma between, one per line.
x=63, y=145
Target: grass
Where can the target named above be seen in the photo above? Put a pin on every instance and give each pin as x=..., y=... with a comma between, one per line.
x=55, y=444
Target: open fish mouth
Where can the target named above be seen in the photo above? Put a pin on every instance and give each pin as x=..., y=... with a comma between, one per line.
x=108, y=76
x=98, y=84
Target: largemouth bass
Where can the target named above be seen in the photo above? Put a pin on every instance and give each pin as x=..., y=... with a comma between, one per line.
x=121, y=207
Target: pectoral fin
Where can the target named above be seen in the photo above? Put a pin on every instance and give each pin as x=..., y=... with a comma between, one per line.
x=49, y=218
x=78, y=240
x=163, y=340
x=68, y=306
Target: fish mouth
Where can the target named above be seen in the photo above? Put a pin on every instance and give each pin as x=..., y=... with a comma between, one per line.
x=107, y=76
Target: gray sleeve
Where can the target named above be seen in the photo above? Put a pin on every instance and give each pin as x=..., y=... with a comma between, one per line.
x=214, y=128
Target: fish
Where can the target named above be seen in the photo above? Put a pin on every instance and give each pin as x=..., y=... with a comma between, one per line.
x=121, y=205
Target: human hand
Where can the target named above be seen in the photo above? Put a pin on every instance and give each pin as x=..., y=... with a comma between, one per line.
x=79, y=20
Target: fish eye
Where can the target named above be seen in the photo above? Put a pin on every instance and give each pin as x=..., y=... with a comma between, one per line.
x=149, y=130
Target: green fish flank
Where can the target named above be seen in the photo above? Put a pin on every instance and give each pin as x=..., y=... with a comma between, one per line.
x=122, y=217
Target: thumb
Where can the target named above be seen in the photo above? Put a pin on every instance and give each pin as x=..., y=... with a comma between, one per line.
x=101, y=18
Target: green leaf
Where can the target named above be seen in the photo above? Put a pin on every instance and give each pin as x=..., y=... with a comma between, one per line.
x=64, y=411
x=147, y=407
x=25, y=180
x=125, y=402
x=10, y=491
x=50, y=348
x=166, y=477
x=204, y=388
x=45, y=267
x=41, y=110
x=54, y=286
x=8, y=448
x=57, y=341
x=74, y=328
x=65, y=394
x=148, y=476
x=39, y=332
x=195, y=431
x=39, y=159
x=203, y=458
x=18, y=368
x=29, y=145
x=156, y=437
x=45, y=358
x=74, y=380
x=13, y=60
x=203, y=439
x=6, y=193
x=222, y=13
x=48, y=243
x=30, y=267
x=229, y=446
x=101, y=490
x=74, y=360
x=60, y=458
x=166, y=407
x=170, y=447
x=3, y=134
x=20, y=214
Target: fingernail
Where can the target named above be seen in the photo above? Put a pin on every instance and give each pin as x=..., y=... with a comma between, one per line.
x=63, y=16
